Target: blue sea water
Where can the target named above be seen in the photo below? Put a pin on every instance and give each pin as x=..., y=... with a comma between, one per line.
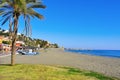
x=105, y=53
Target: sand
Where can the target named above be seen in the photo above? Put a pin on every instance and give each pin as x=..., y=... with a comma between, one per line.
x=104, y=65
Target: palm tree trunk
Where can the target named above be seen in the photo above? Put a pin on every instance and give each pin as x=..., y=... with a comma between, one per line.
x=13, y=51
x=14, y=37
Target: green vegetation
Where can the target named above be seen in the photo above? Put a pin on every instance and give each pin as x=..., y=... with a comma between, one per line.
x=5, y=34
x=43, y=72
x=6, y=42
x=36, y=42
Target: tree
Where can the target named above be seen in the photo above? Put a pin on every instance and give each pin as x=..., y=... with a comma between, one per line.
x=11, y=10
x=56, y=45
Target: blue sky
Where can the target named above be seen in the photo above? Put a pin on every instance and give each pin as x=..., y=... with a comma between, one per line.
x=93, y=24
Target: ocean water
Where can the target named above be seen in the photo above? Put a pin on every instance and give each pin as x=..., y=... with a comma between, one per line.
x=104, y=53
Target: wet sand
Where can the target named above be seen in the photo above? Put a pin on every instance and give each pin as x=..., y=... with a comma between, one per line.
x=107, y=66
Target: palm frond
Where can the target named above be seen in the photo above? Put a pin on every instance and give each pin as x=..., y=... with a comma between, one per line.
x=7, y=13
x=28, y=29
x=32, y=12
x=6, y=6
x=2, y=12
x=28, y=1
x=38, y=15
x=6, y=19
x=36, y=5
x=10, y=25
x=22, y=5
x=2, y=4
x=5, y=2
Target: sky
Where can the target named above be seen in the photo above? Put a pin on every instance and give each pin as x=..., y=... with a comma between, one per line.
x=87, y=24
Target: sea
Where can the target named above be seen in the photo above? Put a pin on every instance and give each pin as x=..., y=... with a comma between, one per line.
x=104, y=53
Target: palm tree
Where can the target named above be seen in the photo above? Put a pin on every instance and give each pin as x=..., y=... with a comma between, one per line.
x=11, y=10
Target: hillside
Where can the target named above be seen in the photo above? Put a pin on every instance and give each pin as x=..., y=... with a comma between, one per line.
x=29, y=41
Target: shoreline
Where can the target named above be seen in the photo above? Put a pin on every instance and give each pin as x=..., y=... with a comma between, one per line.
x=104, y=65
x=90, y=53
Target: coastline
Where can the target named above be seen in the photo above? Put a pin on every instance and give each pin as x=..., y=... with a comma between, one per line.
x=102, y=53
x=104, y=65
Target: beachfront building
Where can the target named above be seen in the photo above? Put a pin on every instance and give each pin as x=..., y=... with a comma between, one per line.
x=4, y=43
x=19, y=43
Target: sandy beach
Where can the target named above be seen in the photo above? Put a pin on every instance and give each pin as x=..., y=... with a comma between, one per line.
x=107, y=66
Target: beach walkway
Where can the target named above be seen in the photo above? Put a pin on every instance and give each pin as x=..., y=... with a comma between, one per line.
x=4, y=53
x=107, y=66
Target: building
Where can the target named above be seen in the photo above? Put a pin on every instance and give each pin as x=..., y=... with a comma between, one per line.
x=19, y=43
x=5, y=47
